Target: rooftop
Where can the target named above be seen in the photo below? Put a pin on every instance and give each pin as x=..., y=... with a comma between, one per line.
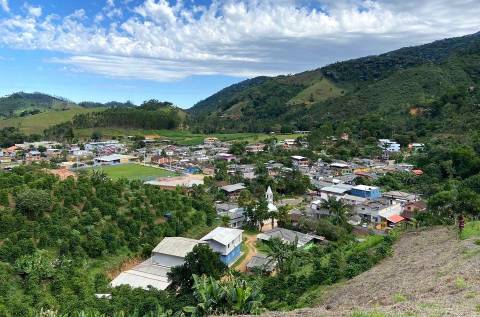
x=298, y=157
x=144, y=275
x=113, y=157
x=365, y=187
x=176, y=246
x=222, y=235
x=289, y=236
x=233, y=187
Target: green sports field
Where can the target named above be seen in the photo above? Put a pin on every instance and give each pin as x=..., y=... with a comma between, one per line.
x=134, y=171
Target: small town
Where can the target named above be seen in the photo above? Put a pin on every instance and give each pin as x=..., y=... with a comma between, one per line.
x=330, y=188
x=274, y=158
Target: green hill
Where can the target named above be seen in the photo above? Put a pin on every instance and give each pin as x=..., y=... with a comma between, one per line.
x=33, y=113
x=151, y=115
x=396, y=90
x=37, y=123
x=24, y=104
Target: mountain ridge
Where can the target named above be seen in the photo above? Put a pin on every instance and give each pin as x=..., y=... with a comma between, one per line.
x=295, y=101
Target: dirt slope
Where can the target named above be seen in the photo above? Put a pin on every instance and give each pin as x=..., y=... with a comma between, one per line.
x=431, y=273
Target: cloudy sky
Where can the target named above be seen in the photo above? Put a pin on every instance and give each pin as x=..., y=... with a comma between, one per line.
x=185, y=50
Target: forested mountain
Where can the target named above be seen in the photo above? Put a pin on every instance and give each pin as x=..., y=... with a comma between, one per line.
x=431, y=88
x=110, y=104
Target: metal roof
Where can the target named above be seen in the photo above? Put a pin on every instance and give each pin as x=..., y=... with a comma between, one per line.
x=176, y=246
x=233, y=188
x=365, y=187
x=222, y=235
x=335, y=189
x=144, y=275
x=298, y=157
x=289, y=236
x=113, y=157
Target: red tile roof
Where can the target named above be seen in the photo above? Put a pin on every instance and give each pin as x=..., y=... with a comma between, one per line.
x=395, y=218
x=417, y=172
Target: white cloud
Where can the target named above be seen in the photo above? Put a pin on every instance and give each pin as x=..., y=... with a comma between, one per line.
x=4, y=5
x=162, y=41
x=33, y=10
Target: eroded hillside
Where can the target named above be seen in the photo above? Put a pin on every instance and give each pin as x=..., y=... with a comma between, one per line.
x=431, y=273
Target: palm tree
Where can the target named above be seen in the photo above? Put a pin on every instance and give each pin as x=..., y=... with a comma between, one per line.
x=282, y=254
x=337, y=209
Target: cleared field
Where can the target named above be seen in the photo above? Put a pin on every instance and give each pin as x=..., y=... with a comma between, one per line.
x=182, y=137
x=134, y=171
x=36, y=124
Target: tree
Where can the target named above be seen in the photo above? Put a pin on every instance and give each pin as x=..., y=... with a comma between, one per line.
x=33, y=202
x=221, y=171
x=256, y=212
x=201, y=261
x=238, y=148
x=283, y=216
x=232, y=296
x=337, y=209
x=282, y=254
x=96, y=135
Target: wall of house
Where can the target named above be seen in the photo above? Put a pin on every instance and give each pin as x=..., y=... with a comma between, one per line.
x=167, y=260
x=225, y=249
x=370, y=194
x=231, y=257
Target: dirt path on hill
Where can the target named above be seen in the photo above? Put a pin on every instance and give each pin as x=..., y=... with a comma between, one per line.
x=250, y=242
x=430, y=273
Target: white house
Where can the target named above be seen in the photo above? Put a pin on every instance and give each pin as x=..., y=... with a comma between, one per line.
x=389, y=145
x=376, y=210
x=114, y=159
x=299, y=161
x=226, y=242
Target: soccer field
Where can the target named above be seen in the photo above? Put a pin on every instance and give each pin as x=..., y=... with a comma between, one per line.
x=134, y=171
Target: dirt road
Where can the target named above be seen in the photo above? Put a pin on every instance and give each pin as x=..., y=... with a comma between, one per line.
x=250, y=242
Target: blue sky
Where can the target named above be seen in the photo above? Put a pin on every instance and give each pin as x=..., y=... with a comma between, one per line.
x=184, y=51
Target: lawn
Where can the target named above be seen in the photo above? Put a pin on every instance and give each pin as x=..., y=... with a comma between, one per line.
x=36, y=124
x=181, y=137
x=134, y=171
x=471, y=230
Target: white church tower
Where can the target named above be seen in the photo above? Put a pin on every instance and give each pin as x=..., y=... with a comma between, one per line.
x=269, y=195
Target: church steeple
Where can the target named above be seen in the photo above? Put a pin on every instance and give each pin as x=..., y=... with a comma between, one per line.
x=269, y=195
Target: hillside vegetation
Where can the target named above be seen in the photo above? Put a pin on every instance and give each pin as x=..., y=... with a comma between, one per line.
x=431, y=273
x=22, y=103
x=37, y=123
x=373, y=95
x=151, y=115
x=32, y=113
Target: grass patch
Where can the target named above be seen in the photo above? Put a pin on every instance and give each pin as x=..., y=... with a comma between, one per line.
x=471, y=230
x=319, y=91
x=244, y=251
x=369, y=242
x=368, y=314
x=399, y=298
x=134, y=171
x=460, y=283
